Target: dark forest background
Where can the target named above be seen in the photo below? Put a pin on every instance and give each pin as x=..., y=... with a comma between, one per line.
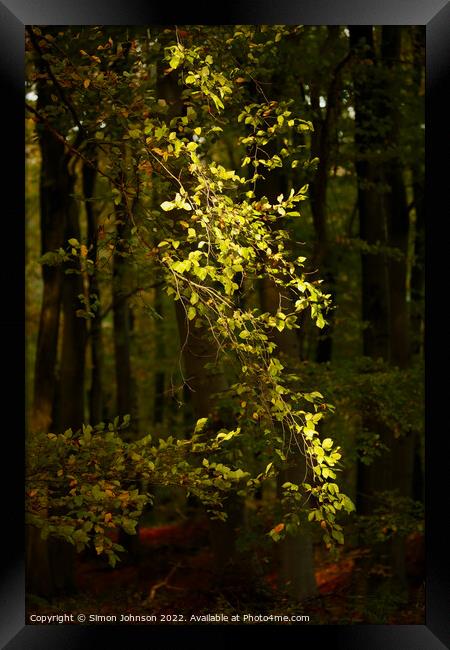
x=105, y=340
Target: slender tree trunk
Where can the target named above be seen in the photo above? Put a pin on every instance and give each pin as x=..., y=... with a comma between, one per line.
x=397, y=211
x=199, y=350
x=418, y=177
x=398, y=228
x=95, y=338
x=122, y=319
x=122, y=315
x=295, y=552
x=160, y=355
x=71, y=380
x=72, y=362
x=417, y=324
x=321, y=147
x=53, y=203
x=374, y=268
x=384, y=295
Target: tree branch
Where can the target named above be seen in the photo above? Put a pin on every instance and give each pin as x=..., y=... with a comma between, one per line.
x=56, y=83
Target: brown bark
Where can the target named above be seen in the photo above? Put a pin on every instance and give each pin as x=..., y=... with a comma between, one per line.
x=44, y=576
x=160, y=353
x=322, y=144
x=72, y=362
x=54, y=185
x=71, y=379
x=295, y=551
x=384, y=218
x=122, y=315
x=95, y=334
x=122, y=321
x=199, y=349
x=398, y=228
x=396, y=207
x=418, y=177
x=374, y=268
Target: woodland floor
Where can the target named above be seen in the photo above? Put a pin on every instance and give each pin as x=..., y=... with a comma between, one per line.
x=174, y=574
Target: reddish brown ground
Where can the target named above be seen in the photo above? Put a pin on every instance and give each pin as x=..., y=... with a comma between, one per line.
x=175, y=574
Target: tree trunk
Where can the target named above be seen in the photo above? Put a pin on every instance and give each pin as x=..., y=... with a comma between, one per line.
x=48, y=572
x=122, y=317
x=295, y=552
x=199, y=349
x=53, y=203
x=160, y=356
x=384, y=219
x=323, y=259
x=374, y=268
x=95, y=334
x=71, y=380
x=398, y=229
x=72, y=362
x=418, y=178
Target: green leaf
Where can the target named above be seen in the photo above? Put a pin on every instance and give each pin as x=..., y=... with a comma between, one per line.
x=200, y=425
x=338, y=536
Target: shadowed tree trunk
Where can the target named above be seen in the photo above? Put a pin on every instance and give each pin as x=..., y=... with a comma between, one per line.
x=418, y=265
x=418, y=179
x=72, y=362
x=397, y=211
x=160, y=355
x=122, y=320
x=95, y=333
x=71, y=380
x=322, y=145
x=49, y=563
x=54, y=189
x=384, y=219
x=121, y=314
x=295, y=551
x=198, y=349
x=374, y=268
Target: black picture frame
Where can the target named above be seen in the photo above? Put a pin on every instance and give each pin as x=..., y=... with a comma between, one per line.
x=14, y=15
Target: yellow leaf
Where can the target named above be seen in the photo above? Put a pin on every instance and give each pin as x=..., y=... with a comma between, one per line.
x=86, y=83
